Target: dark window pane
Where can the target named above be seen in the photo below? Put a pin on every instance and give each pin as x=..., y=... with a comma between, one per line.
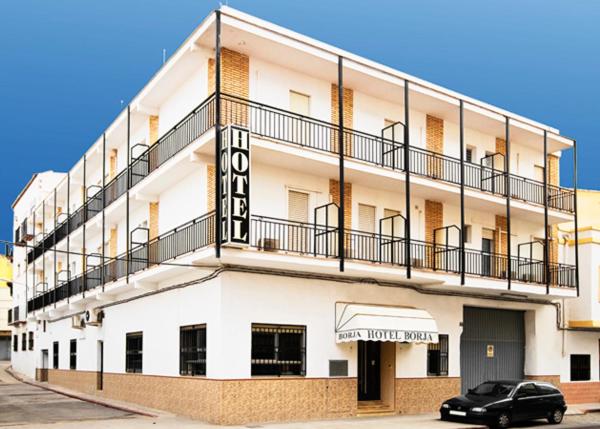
x=278, y=350
x=133, y=352
x=192, y=353
x=73, y=354
x=55, y=355
x=580, y=367
x=437, y=357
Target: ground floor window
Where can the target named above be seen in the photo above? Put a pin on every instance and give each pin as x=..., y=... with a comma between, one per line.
x=30, y=340
x=55, y=355
x=278, y=350
x=437, y=357
x=133, y=352
x=24, y=341
x=192, y=350
x=15, y=343
x=73, y=354
x=580, y=367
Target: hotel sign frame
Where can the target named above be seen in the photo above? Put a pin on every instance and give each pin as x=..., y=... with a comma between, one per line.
x=235, y=186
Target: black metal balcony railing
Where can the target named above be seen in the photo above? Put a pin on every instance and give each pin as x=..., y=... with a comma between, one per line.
x=181, y=135
x=270, y=234
x=289, y=127
x=186, y=238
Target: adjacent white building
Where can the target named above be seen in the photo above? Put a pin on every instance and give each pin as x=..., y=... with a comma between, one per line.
x=239, y=291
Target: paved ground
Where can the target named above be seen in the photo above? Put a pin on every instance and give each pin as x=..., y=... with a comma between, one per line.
x=27, y=407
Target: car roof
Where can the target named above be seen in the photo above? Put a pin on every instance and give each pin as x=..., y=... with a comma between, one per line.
x=517, y=382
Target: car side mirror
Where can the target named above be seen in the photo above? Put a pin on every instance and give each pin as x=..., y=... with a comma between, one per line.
x=469, y=390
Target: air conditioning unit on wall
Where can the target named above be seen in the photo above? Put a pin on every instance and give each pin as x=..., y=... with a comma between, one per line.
x=94, y=317
x=78, y=321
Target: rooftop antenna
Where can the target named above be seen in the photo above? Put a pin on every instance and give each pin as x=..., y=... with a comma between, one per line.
x=164, y=55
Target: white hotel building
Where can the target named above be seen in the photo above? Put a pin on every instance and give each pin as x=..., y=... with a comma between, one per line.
x=298, y=278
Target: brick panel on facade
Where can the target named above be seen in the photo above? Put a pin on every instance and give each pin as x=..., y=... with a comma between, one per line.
x=348, y=116
x=434, y=143
x=235, y=80
x=153, y=129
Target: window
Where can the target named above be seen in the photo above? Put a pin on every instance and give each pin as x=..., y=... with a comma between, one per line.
x=437, y=357
x=192, y=350
x=24, y=341
x=527, y=390
x=73, y=354
x=580, y=367
x=278, y=350
x=30, y=340
x=366, y=218
x=55, y=355
x=297, y=236
x=544, y=389
x=299, y=103
x=133, y=352
x=15, y=343
x=470, y=154
x=467, y=234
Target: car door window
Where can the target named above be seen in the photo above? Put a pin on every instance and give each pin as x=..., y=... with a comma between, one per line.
x=527, y=390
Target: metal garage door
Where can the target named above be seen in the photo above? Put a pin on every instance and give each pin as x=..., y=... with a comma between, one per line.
x=492, y=346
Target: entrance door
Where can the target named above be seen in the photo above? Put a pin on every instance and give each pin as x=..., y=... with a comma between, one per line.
x=100, y=374
x=44, y=370
x=487, y=248
x=369, y=373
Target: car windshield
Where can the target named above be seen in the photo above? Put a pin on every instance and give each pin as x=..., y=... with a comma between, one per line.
x=492, y=389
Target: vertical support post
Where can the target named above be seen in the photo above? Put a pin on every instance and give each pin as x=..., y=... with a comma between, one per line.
x=127, y=255
x=102, y=265
x=341, y=143
x=507, y=177
x=576, y=222
x=218, y=137
x=33, y=254
x=462, y=194
x=54, y=246
x=43, y=252
x=546, y=241
x=68, y=236
x=407, y=178
x=85, y=211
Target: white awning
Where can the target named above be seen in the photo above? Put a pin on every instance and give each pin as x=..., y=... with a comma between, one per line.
x=354, y=322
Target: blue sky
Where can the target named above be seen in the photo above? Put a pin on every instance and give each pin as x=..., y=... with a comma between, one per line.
x=65, y=65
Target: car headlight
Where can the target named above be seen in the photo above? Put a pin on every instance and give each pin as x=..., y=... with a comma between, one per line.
x=478, y=410
x=445, y=405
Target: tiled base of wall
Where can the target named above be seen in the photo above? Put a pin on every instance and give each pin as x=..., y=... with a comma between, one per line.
x=424, y=395
x=228, y=402
x=581, y=392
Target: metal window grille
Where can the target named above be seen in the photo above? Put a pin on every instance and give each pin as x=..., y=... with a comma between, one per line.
x=30, y=340
x=278, y=350
x=73, y=354
x=580, y=367
x=192, y=350
x=24, y=341
x=15, y=343
x=55, y=355
x=133, y=352
x=437, y=357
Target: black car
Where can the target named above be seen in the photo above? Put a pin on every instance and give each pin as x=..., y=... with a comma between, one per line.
x=500, y=403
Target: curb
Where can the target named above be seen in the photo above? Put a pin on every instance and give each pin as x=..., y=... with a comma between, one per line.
x=81, y=398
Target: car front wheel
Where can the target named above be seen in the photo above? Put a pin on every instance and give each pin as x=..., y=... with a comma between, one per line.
x=556, y=416
x=502, y=421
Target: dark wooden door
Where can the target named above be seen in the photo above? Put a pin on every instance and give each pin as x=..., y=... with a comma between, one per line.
x=369, y=371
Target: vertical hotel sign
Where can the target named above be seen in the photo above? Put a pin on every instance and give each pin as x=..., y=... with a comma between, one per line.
x=235, y=186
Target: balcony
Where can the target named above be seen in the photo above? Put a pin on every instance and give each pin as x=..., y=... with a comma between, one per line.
x=189, y=237
x=284, y=126
x=279, y=235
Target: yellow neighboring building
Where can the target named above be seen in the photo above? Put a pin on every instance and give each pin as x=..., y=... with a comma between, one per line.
x=5, y=305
